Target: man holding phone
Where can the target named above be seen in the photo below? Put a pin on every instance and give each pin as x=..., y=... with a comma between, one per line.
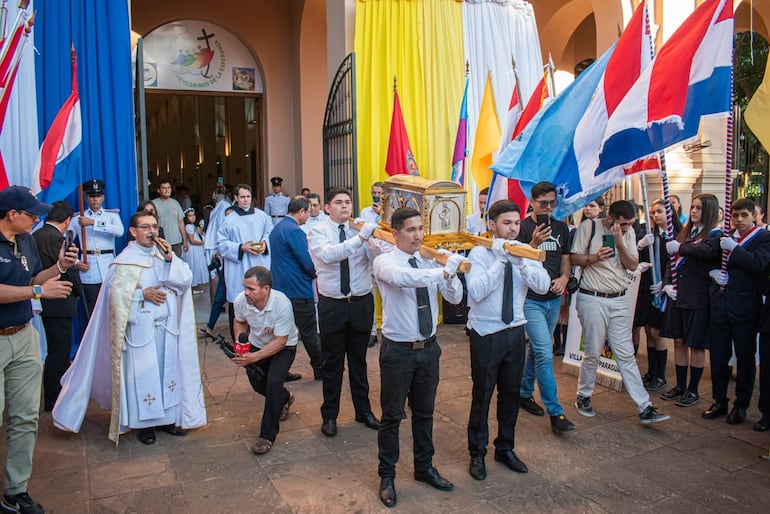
x=540, y=231
x=606, y=249
x=57, y=314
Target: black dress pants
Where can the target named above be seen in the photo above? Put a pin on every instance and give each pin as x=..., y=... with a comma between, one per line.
x=275, y=368
x=764, y=373
x=304, y=318
x=90, y=294
x=726, y=334
x=410, y=374
x=496, y=360
x=345, y=330
x=58, y=335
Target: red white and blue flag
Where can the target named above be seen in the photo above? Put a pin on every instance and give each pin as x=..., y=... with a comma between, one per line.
x=689, y=79
x=57, y=170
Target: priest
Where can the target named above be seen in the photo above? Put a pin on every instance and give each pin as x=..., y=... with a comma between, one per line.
x=139, y=356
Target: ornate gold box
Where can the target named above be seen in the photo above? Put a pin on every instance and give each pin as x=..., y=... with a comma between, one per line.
x=441, y=202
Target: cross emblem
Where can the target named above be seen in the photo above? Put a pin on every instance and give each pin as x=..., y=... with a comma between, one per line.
x=172, y=386
x=149, y=399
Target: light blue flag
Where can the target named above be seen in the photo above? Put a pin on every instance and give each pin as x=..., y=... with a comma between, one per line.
x=537, y=154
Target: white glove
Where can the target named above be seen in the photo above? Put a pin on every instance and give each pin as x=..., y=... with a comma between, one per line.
x=452, y=263
x=645, y=241
x=367, y=230
x=359, y=221
x=517, y=262
x=672, y=247
x=656, y=288
x=670, y=291
x=719, y=276
x=644, y=266
x=728, y=243
x=443, y=251
x=498, y=248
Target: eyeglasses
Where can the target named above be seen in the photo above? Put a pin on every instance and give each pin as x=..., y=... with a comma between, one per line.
x=148, y=227
x=33, y=216
x=544, y=204
x=627, y=224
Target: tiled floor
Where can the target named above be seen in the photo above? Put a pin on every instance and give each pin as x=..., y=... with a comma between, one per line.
x=609, y=464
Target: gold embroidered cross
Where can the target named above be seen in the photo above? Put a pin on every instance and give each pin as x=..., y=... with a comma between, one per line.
x=172, y=386
x=149, y=399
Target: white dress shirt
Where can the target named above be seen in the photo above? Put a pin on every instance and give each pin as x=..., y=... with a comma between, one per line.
x=327, y=252
x=313, y=221
x=474, y=224
x=100, y=237
x=398, y=281
x=368, y=214
x=485, y=290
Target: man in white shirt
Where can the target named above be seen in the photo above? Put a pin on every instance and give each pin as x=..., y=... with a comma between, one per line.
x=497, y=287
x=475, y=223
x=345, y=308
x=102, y=227
x=409, y=356
x=316, y=214
x=372, y=213
x=267, y=316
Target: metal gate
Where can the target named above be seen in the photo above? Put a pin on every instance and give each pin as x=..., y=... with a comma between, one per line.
x=339, y=131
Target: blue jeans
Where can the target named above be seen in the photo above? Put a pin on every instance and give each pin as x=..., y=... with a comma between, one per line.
x=542, y=316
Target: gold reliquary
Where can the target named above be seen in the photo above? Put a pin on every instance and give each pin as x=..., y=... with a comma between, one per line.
x=441, y=202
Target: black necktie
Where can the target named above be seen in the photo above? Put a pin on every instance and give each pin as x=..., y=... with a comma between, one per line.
x=344, y=267
x=424, y=316
x=508, y=293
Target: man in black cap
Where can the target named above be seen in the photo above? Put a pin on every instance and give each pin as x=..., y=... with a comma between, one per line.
x=102, y=227
x=277, y=203
x=22, y=279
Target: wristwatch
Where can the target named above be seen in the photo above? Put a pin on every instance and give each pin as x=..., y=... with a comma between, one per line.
x=37, y=292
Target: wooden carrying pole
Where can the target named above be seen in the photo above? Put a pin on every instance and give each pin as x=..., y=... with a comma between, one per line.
x=525, y=252
x=425, y=251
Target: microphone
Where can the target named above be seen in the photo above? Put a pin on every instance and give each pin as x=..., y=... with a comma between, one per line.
x=242, y=346
x=160, y=244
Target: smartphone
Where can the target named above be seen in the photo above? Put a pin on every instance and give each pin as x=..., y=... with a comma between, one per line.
x=68, y=237
x=608, y=240
x=543, y=219
x=220, y=180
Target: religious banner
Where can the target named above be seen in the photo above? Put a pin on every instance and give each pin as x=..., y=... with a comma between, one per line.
x=608, y=373
x=194, y=55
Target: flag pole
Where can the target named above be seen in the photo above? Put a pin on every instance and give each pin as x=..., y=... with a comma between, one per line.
x=729, y=165
x=82, y=227
x=669, y=235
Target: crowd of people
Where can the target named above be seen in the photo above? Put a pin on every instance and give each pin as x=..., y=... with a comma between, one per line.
x=302, y=269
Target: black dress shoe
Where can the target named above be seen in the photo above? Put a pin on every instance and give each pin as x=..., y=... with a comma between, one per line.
x=146, y=435
x=292, y=377
x=329, y=428
x=388, y=492
x=763, y=425
x=716, y=410
x=512, y=461
x=369, y=420
x=433, y=479
x=477, y=468
x=736, y=416
x=172, y=430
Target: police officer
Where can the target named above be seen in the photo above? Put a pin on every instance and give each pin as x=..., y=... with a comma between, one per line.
x=102, y=227
x=277, y=203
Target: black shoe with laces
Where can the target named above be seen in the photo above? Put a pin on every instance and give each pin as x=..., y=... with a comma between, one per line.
x=22, y=503
x=561, y=424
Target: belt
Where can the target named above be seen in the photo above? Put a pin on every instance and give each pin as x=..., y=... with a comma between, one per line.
x=347, y=299
x=414, y=345
x=601, y=295
x=9, y=331
x=99, y=252
x=278, y=216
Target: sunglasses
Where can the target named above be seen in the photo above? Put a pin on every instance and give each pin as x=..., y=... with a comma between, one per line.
x=544, y=204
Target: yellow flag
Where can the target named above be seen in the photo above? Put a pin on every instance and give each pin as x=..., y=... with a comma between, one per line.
x=757, y=113
x=487, y=139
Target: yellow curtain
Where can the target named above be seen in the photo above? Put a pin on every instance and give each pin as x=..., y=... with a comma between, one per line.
x=421, y=43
